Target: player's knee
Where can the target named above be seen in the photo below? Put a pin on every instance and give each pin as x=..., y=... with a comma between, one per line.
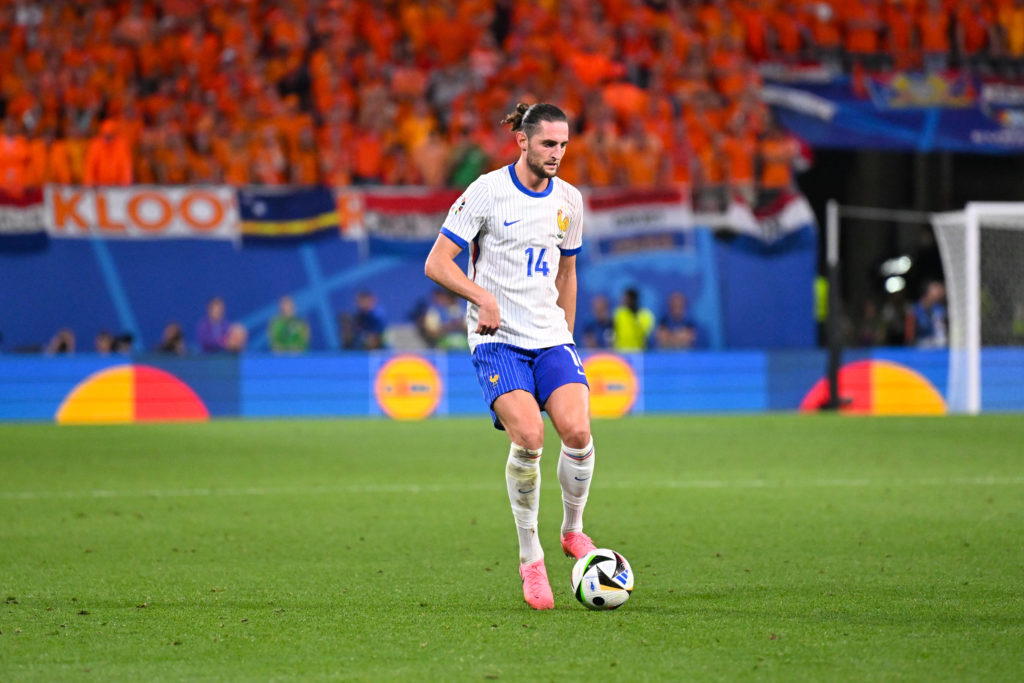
x=577, y=436
x=534, y=440
x=531, y=437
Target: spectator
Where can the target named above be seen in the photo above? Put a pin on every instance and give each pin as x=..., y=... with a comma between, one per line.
x=824, y=28
x=288, y=333
x=368, y=154
x=303, y=161
x=108, y=159
x=77, y=145
x=62, y=342
x=363, y=329
x=933, y=35
x=14, y=155
x=431, y=159
x=870, y=327
x=216, y=334
x=638, y=156
x=863, y=32
x=48, y=160
x=443, y=324
x=468, y=158
x=238, y=337
x=974, y=25
x=739, y=148
x=676, y=329
x=779, y=152
x=104, y=343
x=928, y=322
x=633, y=324
x=1009, y=32
x=235, y=159
x=123, y=343
x=170, y=76
x=599, y=332
x=269, y=161
x=895, y=318
x=172, y=340
x=900, y=39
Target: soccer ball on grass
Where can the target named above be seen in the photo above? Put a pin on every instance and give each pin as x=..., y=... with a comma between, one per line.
x=602, y=580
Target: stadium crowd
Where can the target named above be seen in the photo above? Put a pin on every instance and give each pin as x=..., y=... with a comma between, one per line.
x=363, y=92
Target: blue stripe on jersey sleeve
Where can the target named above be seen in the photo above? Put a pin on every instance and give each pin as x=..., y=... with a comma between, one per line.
x=454, y=238
x=570, y=252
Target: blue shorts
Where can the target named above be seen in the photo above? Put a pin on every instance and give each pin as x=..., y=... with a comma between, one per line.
x=501, y=368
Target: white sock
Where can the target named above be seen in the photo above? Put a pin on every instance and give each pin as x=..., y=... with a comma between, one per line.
x=575, y=470
x=522, y=474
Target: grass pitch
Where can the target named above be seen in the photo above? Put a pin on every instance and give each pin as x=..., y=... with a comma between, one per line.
x=773, y=547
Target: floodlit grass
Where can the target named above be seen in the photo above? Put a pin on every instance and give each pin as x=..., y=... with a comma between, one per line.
x=771, y=547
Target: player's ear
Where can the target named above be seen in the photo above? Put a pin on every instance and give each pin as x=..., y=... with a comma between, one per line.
x=521, y=139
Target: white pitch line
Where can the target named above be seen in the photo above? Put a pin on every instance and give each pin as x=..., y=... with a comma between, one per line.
x=463, y=488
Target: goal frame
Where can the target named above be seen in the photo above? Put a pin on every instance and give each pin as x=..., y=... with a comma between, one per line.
x=975, y=213
x=965, y=348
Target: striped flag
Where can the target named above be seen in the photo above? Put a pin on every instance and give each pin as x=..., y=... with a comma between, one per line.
x=271, y=214
x=22, y=221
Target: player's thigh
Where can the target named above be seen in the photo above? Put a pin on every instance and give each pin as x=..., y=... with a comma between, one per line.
x=520, y=415
x=569, y=410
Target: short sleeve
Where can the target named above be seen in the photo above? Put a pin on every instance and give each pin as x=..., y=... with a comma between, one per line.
x=467, y=214
x=573, y=242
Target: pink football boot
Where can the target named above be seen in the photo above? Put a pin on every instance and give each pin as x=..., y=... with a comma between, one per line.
x=536, y=588
x=577, y=544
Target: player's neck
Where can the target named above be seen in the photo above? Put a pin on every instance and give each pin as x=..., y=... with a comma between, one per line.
x=530, y=180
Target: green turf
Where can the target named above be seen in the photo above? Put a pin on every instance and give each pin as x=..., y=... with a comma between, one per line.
x=775, y=547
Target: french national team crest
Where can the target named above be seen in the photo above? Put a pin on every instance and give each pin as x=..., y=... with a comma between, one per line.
x=563, y=224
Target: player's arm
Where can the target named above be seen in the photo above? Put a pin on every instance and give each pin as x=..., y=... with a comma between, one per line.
x=442, y=269
x=565, y=282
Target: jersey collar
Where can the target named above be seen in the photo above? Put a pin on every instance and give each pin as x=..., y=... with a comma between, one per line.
x=522, y=188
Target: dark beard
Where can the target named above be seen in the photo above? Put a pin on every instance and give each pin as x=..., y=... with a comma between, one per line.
x=539, y=170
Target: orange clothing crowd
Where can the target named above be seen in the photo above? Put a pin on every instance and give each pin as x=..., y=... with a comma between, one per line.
x=373, y=92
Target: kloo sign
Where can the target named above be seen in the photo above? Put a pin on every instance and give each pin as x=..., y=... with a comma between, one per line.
x=142, y=212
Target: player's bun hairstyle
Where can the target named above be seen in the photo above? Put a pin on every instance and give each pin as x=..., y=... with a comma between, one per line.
x=527, y=117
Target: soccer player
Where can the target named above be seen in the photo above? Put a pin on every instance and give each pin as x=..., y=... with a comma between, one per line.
x=524, y=228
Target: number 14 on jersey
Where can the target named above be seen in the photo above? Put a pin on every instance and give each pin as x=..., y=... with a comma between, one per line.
x=540, y=266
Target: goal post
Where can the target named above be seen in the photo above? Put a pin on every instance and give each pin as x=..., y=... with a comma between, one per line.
x=982, y=251
x=982, y=254
x=834, y=213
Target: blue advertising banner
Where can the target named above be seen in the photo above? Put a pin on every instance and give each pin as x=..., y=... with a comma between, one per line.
x=901, y=111
x=90, y=389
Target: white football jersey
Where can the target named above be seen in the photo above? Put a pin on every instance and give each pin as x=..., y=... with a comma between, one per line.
x=516, y=237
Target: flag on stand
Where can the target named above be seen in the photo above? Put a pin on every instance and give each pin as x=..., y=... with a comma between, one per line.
x=271, y=215
x=22, y=224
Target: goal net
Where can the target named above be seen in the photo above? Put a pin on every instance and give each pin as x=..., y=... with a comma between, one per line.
x=982, y=251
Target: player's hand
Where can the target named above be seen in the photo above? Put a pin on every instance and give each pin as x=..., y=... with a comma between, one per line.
x=488, y=316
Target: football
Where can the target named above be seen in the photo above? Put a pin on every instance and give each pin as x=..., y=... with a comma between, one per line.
x=602, y=580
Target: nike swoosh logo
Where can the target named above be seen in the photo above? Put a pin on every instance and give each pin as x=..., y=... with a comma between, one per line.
x=525, y=492
x=508, y=223
x=583, y=479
